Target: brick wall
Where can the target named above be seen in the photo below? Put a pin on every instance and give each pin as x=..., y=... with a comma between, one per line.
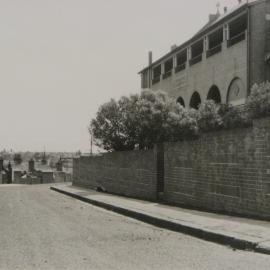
x=125, y=173
x=225, y=171
x=222, y=171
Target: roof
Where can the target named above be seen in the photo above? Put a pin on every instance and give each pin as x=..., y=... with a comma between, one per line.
x=38, y=167
x=221, y=17
x=20, y=167
x=208, y=27
x=43, y=168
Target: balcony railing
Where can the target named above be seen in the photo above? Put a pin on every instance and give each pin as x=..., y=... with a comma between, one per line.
x=195, y=60
x=156, y=80
x=238, y=38
x=214, y=50
x=180, y=68
x=167, y=75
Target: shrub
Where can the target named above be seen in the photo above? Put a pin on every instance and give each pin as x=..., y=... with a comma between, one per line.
x=234, y=117
x=150, y=117
x=182, y=124
x=258, y=103
x=212, y=116
x=208, y=116
x=142, y=121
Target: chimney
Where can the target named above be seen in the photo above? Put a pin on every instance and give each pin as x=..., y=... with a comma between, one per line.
x=213, y=17
x=225, y=10
x=59, y=165
x=173, y=47
x=150, y=58
x=31, y=165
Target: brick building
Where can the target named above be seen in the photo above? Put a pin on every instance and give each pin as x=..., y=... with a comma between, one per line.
x=220, y=62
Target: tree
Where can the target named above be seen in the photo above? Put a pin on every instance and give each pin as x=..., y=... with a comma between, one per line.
x=143, y=120
x=108, y=128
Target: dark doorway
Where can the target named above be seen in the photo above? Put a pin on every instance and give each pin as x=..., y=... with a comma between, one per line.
x=160, y=170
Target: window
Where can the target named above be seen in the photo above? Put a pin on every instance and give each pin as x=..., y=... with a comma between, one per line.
x=181, y=60
x=156, y=74
x=168, y=66
x=215, y=38
x=157, y=71
x=196, y=52
x=237, y=30
x=215, y=42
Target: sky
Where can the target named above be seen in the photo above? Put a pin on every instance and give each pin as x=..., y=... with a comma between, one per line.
x=61, y=59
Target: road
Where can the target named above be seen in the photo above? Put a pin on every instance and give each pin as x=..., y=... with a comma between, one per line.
x=42, y=229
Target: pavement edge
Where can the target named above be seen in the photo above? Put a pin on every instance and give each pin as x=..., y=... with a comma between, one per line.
x=169, y=225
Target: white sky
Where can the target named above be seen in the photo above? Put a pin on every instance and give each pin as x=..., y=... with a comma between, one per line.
x=61, y=59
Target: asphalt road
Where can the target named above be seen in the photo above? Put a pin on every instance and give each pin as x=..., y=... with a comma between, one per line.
x=42, y=229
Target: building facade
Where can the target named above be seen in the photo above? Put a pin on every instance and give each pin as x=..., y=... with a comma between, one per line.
x=221, y=62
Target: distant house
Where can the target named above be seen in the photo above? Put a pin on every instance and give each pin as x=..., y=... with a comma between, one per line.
x=33, y=172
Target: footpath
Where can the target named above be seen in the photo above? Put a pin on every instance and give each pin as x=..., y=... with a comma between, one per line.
x=239, y=233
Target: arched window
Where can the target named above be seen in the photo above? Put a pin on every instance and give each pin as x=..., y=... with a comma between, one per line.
x=236, y=93
x=181, y=101
x=214, y=94
x=195, y=101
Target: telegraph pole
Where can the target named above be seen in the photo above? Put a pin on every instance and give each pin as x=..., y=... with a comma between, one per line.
x=91, y=142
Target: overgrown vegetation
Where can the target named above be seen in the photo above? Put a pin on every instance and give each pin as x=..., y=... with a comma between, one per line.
x=142, y=120
x=258, y=102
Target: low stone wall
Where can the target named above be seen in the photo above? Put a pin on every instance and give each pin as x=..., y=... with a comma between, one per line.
x=222, y=171
x=131, y=173
x=60, y=177
x=27, y=181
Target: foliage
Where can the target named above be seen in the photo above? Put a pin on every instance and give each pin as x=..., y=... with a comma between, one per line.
x=152, y=117
x=208, y=117
x=142, y=120
x=234, y=117
x=182, y=124
x=212, y=116
x=258, y=103
x=108, y=129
